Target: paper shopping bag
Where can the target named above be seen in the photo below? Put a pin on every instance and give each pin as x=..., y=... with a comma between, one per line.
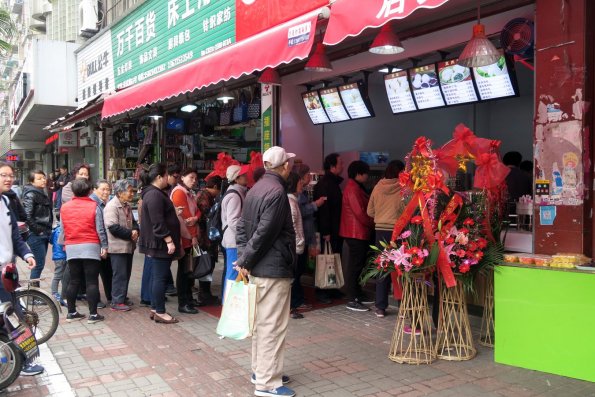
x=329, y=273
x=239, y=309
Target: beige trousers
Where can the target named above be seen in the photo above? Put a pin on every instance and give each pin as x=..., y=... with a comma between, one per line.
x=270, y=328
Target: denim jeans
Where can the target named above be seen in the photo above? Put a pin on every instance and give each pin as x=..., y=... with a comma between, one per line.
x=147, y=280
x=39, y=248
x=161, y=271
x=121, y=264
x=59, y=267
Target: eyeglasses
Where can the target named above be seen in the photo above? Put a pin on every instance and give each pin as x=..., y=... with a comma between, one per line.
x=7, y=176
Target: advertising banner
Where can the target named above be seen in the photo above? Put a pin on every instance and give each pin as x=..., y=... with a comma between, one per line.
x=95, y=69
x=266, y=118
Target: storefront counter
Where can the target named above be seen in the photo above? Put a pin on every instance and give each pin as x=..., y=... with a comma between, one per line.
x=544, y=319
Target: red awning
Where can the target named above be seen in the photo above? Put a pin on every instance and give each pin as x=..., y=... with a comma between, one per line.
x=351, y=17
x=282, y=44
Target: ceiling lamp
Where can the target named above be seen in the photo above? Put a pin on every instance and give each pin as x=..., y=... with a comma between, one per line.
x=270, y=76
x=386, y=42
x=319, y=62
x=189, y=108
x=479, y=51
x=225, y=96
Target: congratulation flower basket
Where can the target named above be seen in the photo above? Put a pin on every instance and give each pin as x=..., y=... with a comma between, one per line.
x=454, y=240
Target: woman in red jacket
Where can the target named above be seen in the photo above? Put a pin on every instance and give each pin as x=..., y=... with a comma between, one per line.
x=184, y=199
x=357, y=230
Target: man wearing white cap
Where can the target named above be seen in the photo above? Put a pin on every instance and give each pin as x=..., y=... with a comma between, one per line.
x=231, y=210
x=266, y=249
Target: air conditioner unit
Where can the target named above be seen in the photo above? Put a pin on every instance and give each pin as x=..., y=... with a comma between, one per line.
x=87, y=137
x=29, y=155
x=88, y=18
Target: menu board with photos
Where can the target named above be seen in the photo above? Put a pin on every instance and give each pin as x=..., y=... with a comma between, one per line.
x=354, y=101
x=493, y=81
x=314, y=107
x=426, y=87
x=456, y=83
x=398, y=92
x=331, y=100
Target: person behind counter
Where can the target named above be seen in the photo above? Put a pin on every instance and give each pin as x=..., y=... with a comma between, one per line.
x=517, y=181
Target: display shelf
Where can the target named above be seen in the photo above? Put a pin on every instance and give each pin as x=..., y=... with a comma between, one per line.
x=251, y=123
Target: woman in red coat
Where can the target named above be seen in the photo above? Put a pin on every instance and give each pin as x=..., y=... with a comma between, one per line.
x=357, y=230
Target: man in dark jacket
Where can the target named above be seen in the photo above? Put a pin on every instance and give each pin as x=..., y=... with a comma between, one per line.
x=266, y=250
x=38, y=210
x=329, y=214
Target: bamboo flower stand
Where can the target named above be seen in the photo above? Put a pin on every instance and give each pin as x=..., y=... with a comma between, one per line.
x=415, y=348
x=486, y=335
x=454, y=341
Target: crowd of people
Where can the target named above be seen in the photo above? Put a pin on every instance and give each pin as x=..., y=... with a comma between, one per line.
x=267, y=232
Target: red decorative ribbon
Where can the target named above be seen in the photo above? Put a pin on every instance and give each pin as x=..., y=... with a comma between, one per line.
x=490, y=173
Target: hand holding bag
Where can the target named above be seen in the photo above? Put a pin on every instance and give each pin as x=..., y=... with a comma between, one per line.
x=239, y=309
x=329, y=273
x=201, y=262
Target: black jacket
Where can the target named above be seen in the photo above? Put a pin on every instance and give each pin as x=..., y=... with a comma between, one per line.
x=15, y=206
x=159, y=220
x=329, y=214
x=265, y=236
x=38, y=209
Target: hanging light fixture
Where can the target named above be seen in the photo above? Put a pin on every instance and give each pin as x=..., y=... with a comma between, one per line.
x=225, y=96
x=270, y=76
x=319, y=62
x=386, y=42
x=479, y=51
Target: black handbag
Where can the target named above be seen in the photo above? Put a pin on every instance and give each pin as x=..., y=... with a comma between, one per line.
x=201, y=262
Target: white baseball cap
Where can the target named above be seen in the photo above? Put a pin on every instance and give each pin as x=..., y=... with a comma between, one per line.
x=276, y=156
x=234, y=171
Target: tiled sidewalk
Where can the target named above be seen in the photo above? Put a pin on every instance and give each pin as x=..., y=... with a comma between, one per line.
x=331, y=352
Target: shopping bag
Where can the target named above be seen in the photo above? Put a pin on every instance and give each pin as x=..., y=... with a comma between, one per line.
x=329, y=273
x=201, y=262
x=239, y=309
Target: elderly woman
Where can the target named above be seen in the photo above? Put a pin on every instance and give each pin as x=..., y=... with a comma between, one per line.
x=159, y=236
x=86, y=244
x=101, y=192
x=184, y=200
x=122, y=233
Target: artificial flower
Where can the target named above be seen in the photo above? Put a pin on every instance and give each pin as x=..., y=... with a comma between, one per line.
x=417, y=220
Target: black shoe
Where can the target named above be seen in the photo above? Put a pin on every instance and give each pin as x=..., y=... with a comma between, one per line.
x=144, y=303
x=196, y=303
x=128, y=302
x=295, y=314
x=357, y=307
x=101, y=305
x=324, y=300
x=95, y=318
x=187, y=309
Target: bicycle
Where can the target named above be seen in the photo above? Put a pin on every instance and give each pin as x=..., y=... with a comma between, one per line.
x=40, y=308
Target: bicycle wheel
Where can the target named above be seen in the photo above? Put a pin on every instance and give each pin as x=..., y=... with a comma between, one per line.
x=11, y=362
x=41, y=313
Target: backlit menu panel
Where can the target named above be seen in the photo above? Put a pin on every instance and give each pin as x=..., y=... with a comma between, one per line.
x=399, y=93
x=314, y=108
x=456, y=83
x=493, y=81
x=426, y=87
x=354, y=101
x=333, y=105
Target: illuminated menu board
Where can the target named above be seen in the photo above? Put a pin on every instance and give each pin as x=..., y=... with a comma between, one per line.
x=314, y=107
x=456, y=83
x=426, y=87
x=493, y=81
x=333, y=105
x=354, y=101
x=399, y=92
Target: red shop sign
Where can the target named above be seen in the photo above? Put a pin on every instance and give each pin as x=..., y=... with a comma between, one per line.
x=351, y=17
x=51, y=139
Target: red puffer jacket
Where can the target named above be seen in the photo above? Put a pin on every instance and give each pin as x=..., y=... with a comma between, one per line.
x=355, y=222
x=78, y=221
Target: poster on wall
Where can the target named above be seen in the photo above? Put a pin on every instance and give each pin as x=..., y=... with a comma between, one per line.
x=95, y=69
x=331, y=100
x=456, y=83
x=399, y=92
x=266, y=118
x=426, y=87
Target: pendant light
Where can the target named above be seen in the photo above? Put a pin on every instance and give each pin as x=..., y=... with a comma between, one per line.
x=225, y=96
x=319, y=62
x=270, y=76
x=386, y=42
x=479, y=51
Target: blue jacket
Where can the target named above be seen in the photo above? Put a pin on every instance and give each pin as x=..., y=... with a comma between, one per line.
x=58, y=253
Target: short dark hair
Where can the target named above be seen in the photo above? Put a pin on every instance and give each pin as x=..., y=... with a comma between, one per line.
x=512, y=158
x=526, y=165
x=330, y=161
x=213, y=182
x=174, y=169
x=3, y=164
x=188, y=171
x=32, y=174
x=100, y=182
x=292, y=182
x=81, y=187
x=357, y=167
x=301, y=169
x=63, y=167
x=148, y=175
x=393, y=169
x=258, y=173
x=78, y=167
